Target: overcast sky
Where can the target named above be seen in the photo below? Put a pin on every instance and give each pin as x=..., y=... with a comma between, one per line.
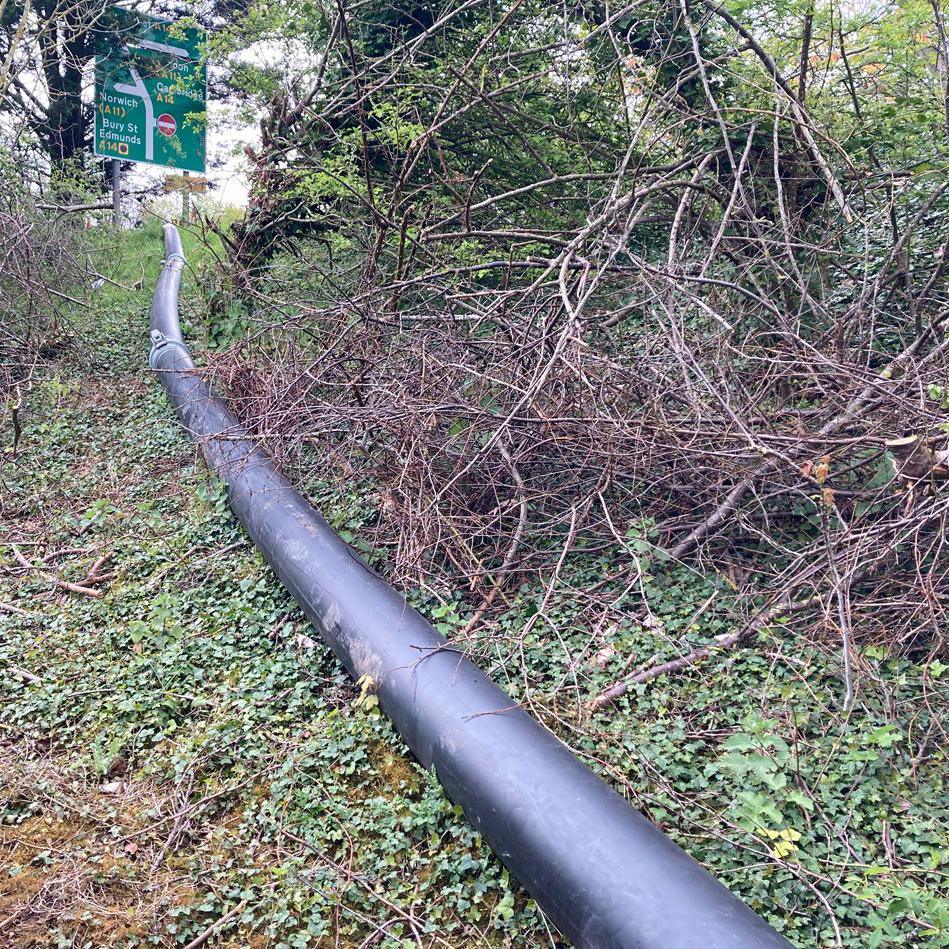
x=226, y=162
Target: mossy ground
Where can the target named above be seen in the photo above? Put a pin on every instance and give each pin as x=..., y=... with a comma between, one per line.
x=180, y=748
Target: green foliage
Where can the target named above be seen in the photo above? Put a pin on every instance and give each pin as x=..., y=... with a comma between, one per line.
x=199, y=673
x=196, y=679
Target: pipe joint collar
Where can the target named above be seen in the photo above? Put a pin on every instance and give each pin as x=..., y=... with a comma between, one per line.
x=161, y=342
x=175, y=260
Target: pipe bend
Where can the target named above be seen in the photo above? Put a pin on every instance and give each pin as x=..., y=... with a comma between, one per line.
x=172, y=239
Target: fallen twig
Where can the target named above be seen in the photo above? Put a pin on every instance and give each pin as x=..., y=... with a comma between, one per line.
x=10, y=608
x=23, y=674
x=217, y=925
x=719, y=643
x=93, y=575
x=62, y=584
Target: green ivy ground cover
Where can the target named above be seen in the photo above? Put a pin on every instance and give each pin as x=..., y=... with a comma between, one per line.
x=180, y=751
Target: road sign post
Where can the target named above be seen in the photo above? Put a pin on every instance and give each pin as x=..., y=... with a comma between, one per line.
x=116, y=192
x=150, y=91
x=186, y=203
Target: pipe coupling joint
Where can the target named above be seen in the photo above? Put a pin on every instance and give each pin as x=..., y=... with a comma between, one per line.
x=161, y=342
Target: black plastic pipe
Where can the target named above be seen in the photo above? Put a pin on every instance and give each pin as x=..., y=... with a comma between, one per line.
x=603, y=873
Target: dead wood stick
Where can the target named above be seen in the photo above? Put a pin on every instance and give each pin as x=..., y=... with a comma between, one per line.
x=23, y=674
x=216, y=926
x=370, y=890
x=63, y=551
x=115, y=283
x=93, y=571
x=72, y=587
x=62, y=584
x=164, y=571
x=725, y=641
x=724, y=509
x=620, y=688
x=74, y=208
x=191, y=809
x=10, y=608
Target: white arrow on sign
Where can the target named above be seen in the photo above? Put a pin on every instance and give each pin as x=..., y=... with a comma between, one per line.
x=137, y=88
x=178, y=51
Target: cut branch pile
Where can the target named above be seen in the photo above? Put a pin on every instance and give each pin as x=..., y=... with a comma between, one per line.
x=565, y=285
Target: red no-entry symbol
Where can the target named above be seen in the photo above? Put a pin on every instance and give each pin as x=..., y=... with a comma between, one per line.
x=167, y=124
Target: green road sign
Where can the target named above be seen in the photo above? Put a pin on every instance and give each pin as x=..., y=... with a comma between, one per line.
x=151, y=91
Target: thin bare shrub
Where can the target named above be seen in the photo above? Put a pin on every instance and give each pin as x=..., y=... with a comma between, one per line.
x=608, y=288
